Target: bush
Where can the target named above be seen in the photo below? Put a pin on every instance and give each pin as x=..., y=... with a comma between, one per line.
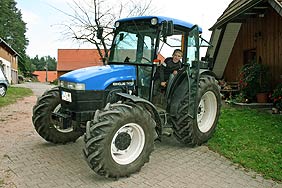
x=254, y=78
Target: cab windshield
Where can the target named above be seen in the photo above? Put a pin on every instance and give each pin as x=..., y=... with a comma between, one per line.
x=134, y=44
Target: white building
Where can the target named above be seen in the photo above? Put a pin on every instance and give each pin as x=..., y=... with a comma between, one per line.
x=9, y=62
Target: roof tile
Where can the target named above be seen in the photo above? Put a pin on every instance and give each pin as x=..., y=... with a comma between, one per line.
x=71, y=59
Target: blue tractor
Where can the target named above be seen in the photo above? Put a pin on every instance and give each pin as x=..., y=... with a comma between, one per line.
x=115, y=107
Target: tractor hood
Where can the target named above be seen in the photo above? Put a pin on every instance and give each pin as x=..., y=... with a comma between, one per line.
x=99, y=77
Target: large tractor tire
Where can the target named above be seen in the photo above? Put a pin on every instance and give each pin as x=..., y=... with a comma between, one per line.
x=48, y=127
x=193, y=133
x=119, y=140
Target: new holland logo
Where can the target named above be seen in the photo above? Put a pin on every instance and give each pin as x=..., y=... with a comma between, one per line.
x=123, y=83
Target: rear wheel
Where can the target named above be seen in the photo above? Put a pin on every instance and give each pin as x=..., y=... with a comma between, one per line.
x=119, y=140
x=46, y=125
x=197, y=132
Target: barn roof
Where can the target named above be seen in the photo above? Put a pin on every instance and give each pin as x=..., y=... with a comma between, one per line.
x=238, y=10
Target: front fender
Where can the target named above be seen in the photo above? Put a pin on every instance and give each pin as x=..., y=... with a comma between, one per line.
x=149, y=106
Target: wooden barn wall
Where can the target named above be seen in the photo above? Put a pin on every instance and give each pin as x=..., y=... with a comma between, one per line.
x=265, y=36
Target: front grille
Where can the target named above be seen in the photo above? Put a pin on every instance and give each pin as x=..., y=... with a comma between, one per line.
x=83, y=100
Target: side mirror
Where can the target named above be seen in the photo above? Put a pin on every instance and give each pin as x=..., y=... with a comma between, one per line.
x=121, y=37
x=167, y=28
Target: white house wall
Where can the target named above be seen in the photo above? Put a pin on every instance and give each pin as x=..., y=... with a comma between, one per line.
x=7, y=69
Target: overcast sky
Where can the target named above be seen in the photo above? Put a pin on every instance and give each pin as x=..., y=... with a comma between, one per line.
x=45, y=36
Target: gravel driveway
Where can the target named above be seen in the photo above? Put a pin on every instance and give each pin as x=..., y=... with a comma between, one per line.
x=28, y=161
x=37, y=87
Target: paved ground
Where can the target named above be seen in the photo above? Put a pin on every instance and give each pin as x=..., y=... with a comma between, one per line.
x=27, y=161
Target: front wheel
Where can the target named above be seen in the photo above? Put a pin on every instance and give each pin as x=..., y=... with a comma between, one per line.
x=119, y=140
x=190, y=132
x=49, y=127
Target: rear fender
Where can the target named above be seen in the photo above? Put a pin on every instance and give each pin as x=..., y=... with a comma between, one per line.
x=207, y=72
x=179, y=88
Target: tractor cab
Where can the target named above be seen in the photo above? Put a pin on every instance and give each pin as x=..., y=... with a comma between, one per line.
x=146, y=41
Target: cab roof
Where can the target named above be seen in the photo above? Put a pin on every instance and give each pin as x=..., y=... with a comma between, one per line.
x=161, y=19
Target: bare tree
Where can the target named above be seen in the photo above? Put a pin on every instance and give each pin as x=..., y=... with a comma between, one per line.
x=91, y=21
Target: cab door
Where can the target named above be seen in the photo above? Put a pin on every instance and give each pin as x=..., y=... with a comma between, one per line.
x=144, y=56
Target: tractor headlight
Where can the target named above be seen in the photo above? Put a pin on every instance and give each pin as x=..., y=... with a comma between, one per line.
x=72, y=85
x=154, y=21
x=117, y=24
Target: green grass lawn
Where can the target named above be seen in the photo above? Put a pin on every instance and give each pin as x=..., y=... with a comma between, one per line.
x=252, y=139
x=13, y=94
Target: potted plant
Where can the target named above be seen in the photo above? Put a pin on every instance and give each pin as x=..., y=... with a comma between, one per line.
x=277, y=97
x=254, y=81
